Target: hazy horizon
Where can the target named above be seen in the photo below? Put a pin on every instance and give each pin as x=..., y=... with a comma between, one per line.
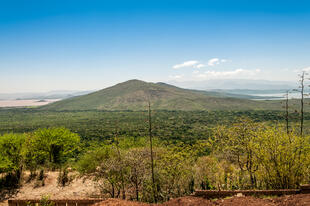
x=222, y=84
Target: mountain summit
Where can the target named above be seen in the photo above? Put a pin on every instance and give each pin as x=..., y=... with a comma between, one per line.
x=134, y=94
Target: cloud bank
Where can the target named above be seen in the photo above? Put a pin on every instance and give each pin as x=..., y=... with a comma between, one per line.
x=197, y=64
x=238, y=73
x=186, y=64
x=198, y=75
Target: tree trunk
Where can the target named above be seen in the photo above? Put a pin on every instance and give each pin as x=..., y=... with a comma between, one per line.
x=151, y=148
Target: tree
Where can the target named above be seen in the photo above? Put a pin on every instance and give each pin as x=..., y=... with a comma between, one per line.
x=136, y=160
x=237, y=144
x=287, y=111
x=174, y=172
x=52, y=146
x=108, y=175
x=92, y=158
x=102, y=163
x=121, y=163
x=11, y=146
x=210, y=173
x=283, y=162
x=151, y=151
x=272, y=158
x=302, y=78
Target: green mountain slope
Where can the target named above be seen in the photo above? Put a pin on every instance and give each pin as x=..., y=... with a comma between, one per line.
x=133, y=95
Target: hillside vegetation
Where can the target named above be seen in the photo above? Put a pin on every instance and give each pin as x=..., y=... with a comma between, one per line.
x=134, y=94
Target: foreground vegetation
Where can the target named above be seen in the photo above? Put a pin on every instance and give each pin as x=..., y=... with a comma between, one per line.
x=192, y=150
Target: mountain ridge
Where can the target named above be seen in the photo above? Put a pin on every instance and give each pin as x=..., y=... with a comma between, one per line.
x=134, y=94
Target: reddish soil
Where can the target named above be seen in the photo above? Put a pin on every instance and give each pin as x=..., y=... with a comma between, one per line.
x=292, y=200
x=117, y=202
x=296, y=200
x=189, y=201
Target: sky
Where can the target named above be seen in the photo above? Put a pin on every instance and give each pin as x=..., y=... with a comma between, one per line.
x=85, y=45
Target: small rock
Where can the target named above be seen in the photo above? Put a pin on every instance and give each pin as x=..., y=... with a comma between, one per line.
x=240, y=195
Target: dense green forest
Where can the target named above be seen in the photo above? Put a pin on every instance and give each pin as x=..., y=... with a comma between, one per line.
x=172, y=126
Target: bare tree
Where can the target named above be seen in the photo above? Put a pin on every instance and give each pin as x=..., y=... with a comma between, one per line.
x=136, y=159
x=121, y=163
x=151, y=150
x=286, y=111
x=302, y=88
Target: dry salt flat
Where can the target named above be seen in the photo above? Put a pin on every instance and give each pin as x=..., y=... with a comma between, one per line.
x=26, y=103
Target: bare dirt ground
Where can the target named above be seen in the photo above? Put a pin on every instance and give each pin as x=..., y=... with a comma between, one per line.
x=292, y=200
x=78, y=188
x=82, y=188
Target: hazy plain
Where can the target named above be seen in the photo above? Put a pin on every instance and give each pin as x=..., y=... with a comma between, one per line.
x=26, y=103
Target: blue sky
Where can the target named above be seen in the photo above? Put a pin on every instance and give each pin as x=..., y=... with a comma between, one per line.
x=82, y=45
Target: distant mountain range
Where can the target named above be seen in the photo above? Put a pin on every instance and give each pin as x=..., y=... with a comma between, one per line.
x=236, y=84
x=246, y=89
x=134, y=94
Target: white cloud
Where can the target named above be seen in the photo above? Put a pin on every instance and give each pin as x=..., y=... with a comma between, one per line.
x=213, y=62
x=236, y=74
x=191, y=63
x=198, y=66
x=216, y=61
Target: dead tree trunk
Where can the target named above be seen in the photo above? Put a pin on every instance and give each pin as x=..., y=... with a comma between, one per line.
x=151, y=150
x=286, y=112
x=121, y=168
x=302, y=87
